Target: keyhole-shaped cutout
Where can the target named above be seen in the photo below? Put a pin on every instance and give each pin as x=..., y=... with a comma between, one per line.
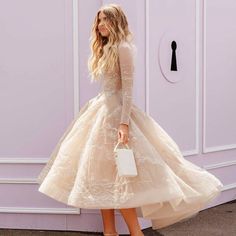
x=173, y=57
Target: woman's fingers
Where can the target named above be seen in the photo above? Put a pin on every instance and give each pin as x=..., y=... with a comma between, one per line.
x=123, y=134
x=123, y=138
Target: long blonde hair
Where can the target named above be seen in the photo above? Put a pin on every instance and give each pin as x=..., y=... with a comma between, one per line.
x=104, y=55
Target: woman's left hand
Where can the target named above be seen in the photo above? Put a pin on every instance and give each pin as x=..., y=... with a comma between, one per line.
x=123, y=133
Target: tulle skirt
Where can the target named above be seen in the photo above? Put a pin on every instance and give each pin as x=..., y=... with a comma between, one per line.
x=81, y=170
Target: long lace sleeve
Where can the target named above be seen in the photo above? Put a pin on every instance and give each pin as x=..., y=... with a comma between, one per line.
x=126, y=60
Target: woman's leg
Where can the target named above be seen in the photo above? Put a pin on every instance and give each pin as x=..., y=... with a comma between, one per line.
x=131, y=219
x=108, y=217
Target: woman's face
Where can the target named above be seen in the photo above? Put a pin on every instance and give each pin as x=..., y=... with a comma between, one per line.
x=102, y=21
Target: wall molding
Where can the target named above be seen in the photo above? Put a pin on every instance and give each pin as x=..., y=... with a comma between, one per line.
x=24, y=160
x=229, y=187
x=52, y=210
x=147, y=71
x=32, y=160
x=190, y=152
x=43, y=160
x=18, y=181
x=219, y=165
x=196, y=149
x=216, y=148
x=41, y=210
x=76, y=74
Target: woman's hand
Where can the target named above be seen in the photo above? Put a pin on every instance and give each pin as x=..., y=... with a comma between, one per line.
x=123, y=133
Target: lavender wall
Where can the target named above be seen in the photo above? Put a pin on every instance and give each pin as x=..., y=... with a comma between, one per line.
x=44, y=82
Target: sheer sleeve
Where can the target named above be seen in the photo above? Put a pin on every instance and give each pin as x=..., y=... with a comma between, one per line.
x=126, y=62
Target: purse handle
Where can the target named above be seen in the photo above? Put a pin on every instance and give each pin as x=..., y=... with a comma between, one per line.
x=119, y=143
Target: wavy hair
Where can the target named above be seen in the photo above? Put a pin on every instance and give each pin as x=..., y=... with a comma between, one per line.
x=104, y=55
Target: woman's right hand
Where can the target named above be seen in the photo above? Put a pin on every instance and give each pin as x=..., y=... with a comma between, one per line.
x=123, y=133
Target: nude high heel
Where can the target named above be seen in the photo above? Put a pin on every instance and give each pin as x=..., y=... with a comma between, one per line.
x=111, y=234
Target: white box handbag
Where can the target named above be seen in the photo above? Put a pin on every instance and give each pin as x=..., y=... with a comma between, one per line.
x=125, y=161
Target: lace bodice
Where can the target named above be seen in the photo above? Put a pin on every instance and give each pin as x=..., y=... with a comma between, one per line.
x=121, y=79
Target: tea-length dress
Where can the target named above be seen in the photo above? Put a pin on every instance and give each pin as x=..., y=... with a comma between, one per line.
x=81, y=170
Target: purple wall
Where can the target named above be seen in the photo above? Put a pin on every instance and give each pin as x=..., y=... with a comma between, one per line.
x=44, y=82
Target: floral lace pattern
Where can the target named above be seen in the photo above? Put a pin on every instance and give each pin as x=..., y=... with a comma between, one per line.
x=126, y=61
x=81, y=170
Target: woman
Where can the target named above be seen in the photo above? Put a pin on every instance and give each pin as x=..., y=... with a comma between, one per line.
x=82, y=171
